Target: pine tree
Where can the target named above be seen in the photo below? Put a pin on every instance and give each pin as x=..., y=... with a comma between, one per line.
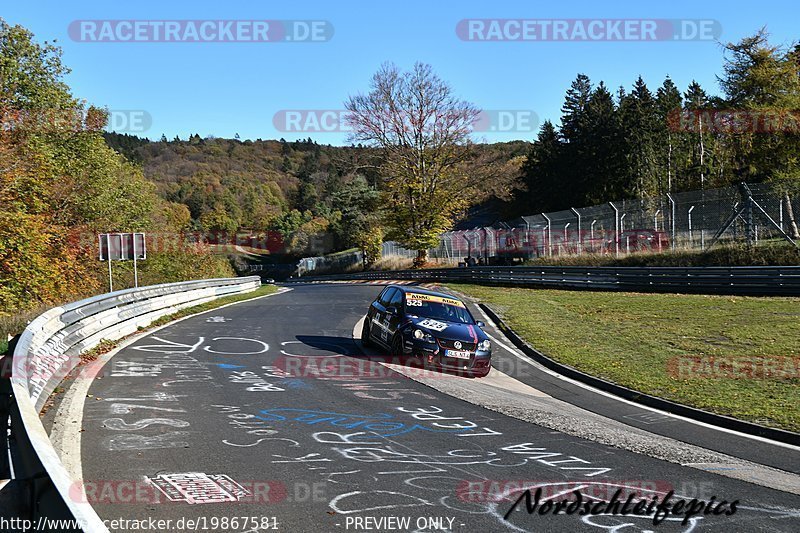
x=574, y=161
x=696, y=101
x=602, y=147
x=639, y=118
x=763, y=79
x=668, y=105
x=573, y=118
x=542, y=171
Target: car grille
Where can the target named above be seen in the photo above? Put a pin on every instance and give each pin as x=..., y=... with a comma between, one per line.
x=449, y=344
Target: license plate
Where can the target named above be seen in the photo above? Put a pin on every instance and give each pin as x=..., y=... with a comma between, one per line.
x=458, y=354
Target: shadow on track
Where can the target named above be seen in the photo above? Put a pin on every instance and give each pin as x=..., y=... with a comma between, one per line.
x=369, y=358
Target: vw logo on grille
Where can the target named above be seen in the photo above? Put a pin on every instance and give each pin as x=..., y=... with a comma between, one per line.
x=457, y=345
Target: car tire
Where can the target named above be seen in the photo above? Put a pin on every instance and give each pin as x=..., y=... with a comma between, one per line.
x=365, y=339
x=482, y=373
x=397, y=346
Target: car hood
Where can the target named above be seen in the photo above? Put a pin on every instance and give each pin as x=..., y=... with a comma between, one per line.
x=443, y=329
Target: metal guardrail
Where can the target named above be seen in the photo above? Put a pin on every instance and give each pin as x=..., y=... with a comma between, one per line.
x=45, y=353
x=753, y=281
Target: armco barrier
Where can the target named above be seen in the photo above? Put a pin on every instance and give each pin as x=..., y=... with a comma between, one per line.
x=45, y=353
x=754, y=281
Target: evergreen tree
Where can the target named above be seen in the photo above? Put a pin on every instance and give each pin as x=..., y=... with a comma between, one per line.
x=573, y=112
x=639, y=118
x=603, y=148
x=574, y=132
x=764, y=80
x=542, y=171
x=668, y=106
x=696, y=101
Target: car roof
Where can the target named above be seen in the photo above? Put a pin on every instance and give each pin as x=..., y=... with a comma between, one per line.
x=407, y=288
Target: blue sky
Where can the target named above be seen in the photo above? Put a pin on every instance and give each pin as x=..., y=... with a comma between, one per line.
x=227, y=88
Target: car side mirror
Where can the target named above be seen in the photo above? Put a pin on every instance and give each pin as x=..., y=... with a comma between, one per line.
x=480, y=324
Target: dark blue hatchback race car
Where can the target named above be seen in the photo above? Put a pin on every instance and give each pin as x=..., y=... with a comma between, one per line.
x=433, y=327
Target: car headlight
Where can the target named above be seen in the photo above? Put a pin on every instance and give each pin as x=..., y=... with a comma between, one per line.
x=485, y=346
x=423, y=335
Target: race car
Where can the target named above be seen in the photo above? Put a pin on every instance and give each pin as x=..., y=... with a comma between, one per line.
x=432, y=327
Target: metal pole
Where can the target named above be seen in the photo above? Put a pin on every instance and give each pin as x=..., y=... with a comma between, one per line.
x=135, y=268
x=591, y=231
x=565, y=236
x=110, y=280
x=528, y=237
x=549, y=236
x=544, y=240
x=691, y=239
x=616, y=228
x=655, y=219
x=622, y=229
x=580, y=237
x=672, y=220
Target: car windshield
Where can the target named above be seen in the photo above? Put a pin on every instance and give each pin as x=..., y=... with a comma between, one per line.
x=438, y=308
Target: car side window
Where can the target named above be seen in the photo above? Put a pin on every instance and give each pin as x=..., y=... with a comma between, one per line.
x=396, y=300
x=380, y=297
x=386, y=297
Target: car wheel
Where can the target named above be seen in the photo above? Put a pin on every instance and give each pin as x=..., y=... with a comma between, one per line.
x=482, y=373
x=365, y=339
x=397, y=346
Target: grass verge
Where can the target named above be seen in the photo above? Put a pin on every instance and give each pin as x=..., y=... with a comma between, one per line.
x=736, y=356
x=261, y=291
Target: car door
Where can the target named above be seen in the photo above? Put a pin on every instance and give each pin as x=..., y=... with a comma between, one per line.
x=394, y=312
x=379, y=330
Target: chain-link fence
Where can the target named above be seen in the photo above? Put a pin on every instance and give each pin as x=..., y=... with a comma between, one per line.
x=679, y=221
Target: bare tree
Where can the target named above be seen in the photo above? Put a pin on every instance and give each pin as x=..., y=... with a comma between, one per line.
x=423, y=133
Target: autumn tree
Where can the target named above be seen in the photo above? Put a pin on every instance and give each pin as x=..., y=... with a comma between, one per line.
x=61, y=184
x=423, y=132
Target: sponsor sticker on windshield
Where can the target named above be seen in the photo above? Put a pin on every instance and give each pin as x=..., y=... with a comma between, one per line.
x=416, y=297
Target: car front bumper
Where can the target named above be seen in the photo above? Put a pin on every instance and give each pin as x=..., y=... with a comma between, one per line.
x=433, y=353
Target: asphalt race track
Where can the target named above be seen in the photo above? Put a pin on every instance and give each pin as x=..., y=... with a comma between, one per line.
x=257, y=413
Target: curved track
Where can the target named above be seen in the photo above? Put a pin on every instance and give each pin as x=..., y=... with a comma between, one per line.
x=262, y=411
